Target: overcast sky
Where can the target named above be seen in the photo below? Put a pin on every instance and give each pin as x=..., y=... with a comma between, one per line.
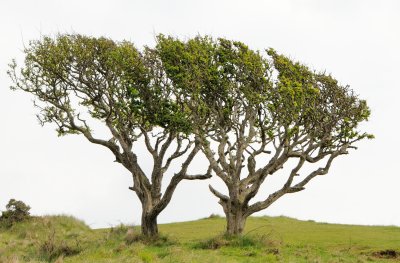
x=357, y=41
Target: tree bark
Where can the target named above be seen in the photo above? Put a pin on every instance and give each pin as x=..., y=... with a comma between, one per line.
x=149, y=218
x=149, y=225
x=235, y=219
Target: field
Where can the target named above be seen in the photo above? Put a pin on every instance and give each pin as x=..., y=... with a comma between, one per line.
x=266, y=239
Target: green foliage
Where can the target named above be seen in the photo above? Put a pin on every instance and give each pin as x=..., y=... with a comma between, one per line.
x=207, y=75
x=316, y=103
x=16, y=211
x=57, y=68
x=200, y=84
x=115, y=82
x=222, y=81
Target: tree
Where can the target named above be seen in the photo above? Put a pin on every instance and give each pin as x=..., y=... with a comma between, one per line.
x=262, y=113
x=16, y=211
x=79, y=81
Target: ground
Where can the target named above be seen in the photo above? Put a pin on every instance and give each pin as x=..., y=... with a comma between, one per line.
x=266, y=239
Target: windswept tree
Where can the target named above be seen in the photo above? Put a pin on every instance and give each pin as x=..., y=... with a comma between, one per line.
x=80, y=82
x=255, y=114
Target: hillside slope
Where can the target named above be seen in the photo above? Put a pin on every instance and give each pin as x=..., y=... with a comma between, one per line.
x=266, y=239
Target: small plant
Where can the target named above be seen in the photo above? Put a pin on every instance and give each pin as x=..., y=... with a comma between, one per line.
x=388, y=253
x=158, y=241
x=214, y=216
x=235, y=241
x=132, y=237
x=213, y=243
x=16, y=211
x=52, y=249
x=117, y=232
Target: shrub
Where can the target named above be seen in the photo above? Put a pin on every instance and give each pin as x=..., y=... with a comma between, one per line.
x=16, y=211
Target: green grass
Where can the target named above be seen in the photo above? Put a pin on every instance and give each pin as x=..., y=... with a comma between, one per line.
x=266, y=239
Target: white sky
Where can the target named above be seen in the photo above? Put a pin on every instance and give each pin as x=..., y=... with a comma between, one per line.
x=357, y=41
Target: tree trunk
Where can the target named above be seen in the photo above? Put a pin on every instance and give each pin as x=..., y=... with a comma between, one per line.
x=235, y=220
x=149, y=225
x=149, y=217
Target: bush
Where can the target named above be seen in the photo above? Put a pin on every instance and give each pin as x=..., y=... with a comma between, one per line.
x=16, y=211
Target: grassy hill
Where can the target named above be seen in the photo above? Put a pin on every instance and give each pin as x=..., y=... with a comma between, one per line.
x=267, y=239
